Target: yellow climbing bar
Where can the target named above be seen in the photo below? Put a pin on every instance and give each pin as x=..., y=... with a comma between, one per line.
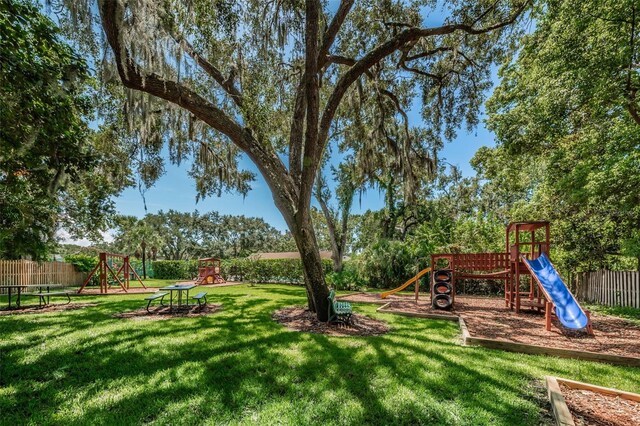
x=407, y=284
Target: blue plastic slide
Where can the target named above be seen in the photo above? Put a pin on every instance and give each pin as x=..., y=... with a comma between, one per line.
x=568, y=310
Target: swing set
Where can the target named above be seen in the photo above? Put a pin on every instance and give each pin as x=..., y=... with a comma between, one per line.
x=112, y=269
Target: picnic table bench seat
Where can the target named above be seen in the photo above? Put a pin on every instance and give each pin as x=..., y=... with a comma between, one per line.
x=200, y=296
x=338, y=311
x=155, y=296
x=44, y=296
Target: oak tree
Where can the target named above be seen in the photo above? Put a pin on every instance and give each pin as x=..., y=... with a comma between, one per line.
x=271, y=78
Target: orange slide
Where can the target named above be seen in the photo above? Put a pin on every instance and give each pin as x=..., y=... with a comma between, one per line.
x=407, y=284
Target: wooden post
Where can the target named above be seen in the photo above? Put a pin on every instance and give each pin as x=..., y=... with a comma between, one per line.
x=452, y=266
x=517, y=260
x=589, y=327
x=103, y=272
x=532, y=252
x=508, y=282
x=125, y=269
x=547, y=315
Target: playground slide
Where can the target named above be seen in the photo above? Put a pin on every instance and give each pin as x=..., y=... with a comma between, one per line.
x=406, y=284
x=568, y=310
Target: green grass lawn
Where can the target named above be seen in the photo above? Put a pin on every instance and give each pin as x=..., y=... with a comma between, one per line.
x=239, y=367
x=152, y=282
x=626, y=312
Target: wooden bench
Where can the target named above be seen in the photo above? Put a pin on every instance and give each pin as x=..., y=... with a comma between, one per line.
x=200, y=296
x=45, y=297
x=338, y=311
x=154, y=297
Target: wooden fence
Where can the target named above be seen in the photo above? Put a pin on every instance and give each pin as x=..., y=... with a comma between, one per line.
x=24, y=272
x=610, y=288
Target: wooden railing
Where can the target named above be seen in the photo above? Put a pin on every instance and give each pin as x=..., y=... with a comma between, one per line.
x=481, y=261
x=610, y=288
x=25, y=272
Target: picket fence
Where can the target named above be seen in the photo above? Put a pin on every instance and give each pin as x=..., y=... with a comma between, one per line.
x=610, y=288
x=25, y=272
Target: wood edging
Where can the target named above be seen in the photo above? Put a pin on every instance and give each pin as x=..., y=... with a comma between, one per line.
x=383, y=309
x=559, y=407
x=551, y=351
x=561, y=411
x=464, y=330
x=598, y=389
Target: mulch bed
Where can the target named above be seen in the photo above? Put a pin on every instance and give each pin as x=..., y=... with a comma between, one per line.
x=56, y=307
x=301, y=319
x=488, y=317
x=164, y=313
x=596, y=409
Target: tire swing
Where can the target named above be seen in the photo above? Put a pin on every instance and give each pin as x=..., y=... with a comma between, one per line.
x=442, y=289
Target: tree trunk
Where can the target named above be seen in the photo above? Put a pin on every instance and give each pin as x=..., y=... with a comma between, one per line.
x=337, y=261
x=317, y=290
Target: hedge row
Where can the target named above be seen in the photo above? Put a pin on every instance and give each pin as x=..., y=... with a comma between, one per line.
x=265, y=271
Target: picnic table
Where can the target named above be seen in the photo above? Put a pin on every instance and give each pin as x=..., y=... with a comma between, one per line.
x=17, y=289
x=179, y=289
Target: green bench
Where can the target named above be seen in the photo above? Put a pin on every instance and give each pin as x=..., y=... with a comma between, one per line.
x=338, y=311
x=200, y=296
x=44, y=297
x=153, y=297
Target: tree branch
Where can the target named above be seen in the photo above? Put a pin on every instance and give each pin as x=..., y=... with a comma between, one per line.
x=210, y=69
x=396, y=102
x=397, y=42
x=312, y=152
x=295, y=134
x=133, y=77
x=332, y=31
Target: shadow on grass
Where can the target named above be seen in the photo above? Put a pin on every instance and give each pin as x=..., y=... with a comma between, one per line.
x=80, y=367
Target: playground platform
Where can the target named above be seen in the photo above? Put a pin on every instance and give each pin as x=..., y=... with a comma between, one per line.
x=487, y=317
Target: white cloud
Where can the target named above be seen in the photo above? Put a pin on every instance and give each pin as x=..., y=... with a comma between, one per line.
x=65, y=238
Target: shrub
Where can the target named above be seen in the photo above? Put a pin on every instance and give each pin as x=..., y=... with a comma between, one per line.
x=235, y=269
x=175, y=269
x=386, y=264
x=82, y=262
x=286, y=271
x=348, y=279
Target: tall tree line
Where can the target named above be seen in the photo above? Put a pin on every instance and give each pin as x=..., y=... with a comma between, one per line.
x=175, y=235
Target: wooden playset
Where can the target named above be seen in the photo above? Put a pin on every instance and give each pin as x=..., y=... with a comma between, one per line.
x=112, y=269
x=209, y=271
x=530, y=280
